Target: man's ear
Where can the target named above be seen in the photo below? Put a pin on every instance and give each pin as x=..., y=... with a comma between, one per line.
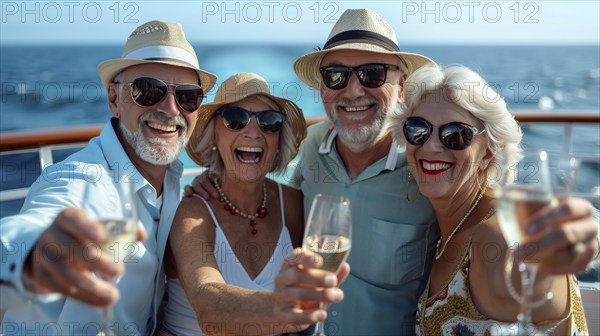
x=401, y=91
x=113, y=99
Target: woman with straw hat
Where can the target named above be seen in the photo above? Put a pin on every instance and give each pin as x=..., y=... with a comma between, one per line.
x=227, y=249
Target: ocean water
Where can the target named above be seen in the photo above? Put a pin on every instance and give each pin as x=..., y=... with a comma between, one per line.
x=55, y=86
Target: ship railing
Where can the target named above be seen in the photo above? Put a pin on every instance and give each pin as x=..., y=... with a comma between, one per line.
x=47, y=142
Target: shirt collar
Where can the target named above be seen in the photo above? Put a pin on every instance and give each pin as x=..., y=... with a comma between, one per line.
x=119, y=161
x=327, y=143
x=327, y=146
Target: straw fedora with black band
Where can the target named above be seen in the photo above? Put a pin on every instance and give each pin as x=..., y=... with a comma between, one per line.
x=157, y=42
x=235, y=89
x=357, y=29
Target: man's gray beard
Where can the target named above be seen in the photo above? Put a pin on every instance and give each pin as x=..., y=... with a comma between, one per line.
x=360, y=139
x=156, y=151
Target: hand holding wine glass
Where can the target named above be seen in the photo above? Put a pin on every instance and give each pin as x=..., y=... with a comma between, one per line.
x=328, y=233
x=120, y=234
x=526, y=188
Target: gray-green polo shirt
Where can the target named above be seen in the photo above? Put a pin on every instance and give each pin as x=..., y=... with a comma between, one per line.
x=393, y=240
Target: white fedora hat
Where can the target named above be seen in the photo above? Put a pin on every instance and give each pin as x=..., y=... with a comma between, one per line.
x=157, y=42
x=357, y=29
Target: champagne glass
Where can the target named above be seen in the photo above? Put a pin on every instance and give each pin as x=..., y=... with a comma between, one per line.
x=531, y=184
x=328, y=233
x=121, y=232
x=563, y=172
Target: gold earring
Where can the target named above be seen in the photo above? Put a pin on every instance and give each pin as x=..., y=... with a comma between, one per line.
x=416, y=195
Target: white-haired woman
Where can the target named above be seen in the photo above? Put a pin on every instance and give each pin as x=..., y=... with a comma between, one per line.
x=456, y=128
x=228, y=251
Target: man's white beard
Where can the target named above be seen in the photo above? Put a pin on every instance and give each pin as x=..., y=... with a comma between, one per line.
x=356, y=138
x=156, y=151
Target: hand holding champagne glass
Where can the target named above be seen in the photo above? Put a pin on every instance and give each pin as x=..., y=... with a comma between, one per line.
x=328, y=233
x=525, y=188
x=120, y=233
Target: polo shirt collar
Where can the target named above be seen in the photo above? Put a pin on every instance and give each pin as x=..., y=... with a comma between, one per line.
x=328, y=141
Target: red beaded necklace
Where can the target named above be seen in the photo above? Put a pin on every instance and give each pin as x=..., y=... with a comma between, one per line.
x=261, y=212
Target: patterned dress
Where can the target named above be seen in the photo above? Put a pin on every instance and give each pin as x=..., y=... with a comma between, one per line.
x=452, y=311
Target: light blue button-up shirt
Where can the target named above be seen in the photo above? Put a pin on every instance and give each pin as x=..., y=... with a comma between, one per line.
x=104, y=162
x=392, y=239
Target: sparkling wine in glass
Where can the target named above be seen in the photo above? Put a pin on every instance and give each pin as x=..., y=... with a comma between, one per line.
x=121, y=233
x=536, y=181
x=328, y=233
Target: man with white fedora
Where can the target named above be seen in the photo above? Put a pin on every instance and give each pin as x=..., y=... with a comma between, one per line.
x=360, y=73
x=54, y=276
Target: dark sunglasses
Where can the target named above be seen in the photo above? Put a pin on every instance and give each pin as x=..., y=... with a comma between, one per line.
x=336, y=77
x=147, y=91
x=454, y=135
x=236, y=118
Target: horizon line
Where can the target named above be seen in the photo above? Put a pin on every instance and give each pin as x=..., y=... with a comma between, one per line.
x=285, y=43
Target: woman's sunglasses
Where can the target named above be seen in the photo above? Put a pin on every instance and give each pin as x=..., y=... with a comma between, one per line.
x=147, y=91
x=336, y=77
x=236, y=118
x=454, y=135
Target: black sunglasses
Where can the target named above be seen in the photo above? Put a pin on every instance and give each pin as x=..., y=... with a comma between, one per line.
x=454, y=135
x=147, y=91
x=336, y=77
x=236, y=118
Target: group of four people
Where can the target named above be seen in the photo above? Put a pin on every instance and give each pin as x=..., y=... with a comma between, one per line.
x=226, y=252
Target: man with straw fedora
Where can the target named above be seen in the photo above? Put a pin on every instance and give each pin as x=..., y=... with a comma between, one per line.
x=360, y=74
x=53, y=274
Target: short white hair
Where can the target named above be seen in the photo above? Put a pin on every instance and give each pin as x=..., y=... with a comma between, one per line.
x=465, y=88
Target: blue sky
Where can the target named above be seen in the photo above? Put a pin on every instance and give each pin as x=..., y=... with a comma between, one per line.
x=237, y=22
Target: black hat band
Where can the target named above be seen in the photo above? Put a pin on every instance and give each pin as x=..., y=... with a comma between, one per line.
x=367, y=36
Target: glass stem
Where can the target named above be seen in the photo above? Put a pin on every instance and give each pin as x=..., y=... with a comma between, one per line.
x=107, y=322
x=320, y=326
x=528, y=274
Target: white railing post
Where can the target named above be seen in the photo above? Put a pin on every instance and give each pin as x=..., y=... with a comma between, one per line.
x=568, y=141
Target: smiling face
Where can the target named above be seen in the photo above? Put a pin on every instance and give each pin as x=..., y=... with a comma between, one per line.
x=357, y=112
x=156, y=133
x=439, y=171
x=248, y=154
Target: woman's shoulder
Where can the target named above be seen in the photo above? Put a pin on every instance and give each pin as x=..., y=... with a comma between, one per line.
x=290, y=191
x=190, y=203
x=194, y=210
x=294, y=213
x=488, y=233
x=293, y=199
x=488, y=254
x=488, y=247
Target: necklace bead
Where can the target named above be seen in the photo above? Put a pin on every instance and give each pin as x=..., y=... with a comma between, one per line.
x=261, y=212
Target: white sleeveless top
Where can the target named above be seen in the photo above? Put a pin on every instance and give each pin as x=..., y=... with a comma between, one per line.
x=179, y=316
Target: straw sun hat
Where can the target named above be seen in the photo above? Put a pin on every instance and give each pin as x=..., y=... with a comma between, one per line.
x=356, y=29
x=157, y=42
x=235, y=89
